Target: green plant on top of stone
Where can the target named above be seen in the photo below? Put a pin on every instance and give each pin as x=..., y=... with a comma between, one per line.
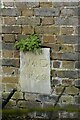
x=32, y=43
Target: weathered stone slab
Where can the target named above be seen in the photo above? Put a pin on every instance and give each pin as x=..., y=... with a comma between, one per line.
x=35, y=72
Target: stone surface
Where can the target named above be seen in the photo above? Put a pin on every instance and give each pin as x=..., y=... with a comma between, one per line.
x=35, y=72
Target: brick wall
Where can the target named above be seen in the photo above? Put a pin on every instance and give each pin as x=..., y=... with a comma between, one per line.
x=57, y=25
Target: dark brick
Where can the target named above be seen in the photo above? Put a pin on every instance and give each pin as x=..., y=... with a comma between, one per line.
x=66, y=74
x=77, y=30
x=21, y=36
x=46, y=12
x=10, y=12
x=11, y=29
x=70, y=12
x=8, y=4
x=47, y=98
x=0, y=62
x=77, y=83
x=66, y=21
x=56, y=64
x=71, y=56
x=77, y=48
x=47, y=30
x=7, y=46
x=77, y=99
x=79, y=10
x=10, y=62
x=68, y=39
x=28, y=21
x=0, y=45
x=77, y=65
x=65, y=56
x=22, y=5
x=55, y=82
x=67, y=4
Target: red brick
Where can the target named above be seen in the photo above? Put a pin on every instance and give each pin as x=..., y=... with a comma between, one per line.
x=10, y=79
x=56, y=64
x=10, y=86
x=27, y=30
x=45, y=4
x=49, y=39
x=27, y=12
x=47, y=21
x=68, y=64
x=67, y=82
x=16, y=54
x=67, y=30
x=9, y=20
x=10, y=70
x=7, y=54
x=9, y=38
x=59, y=89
